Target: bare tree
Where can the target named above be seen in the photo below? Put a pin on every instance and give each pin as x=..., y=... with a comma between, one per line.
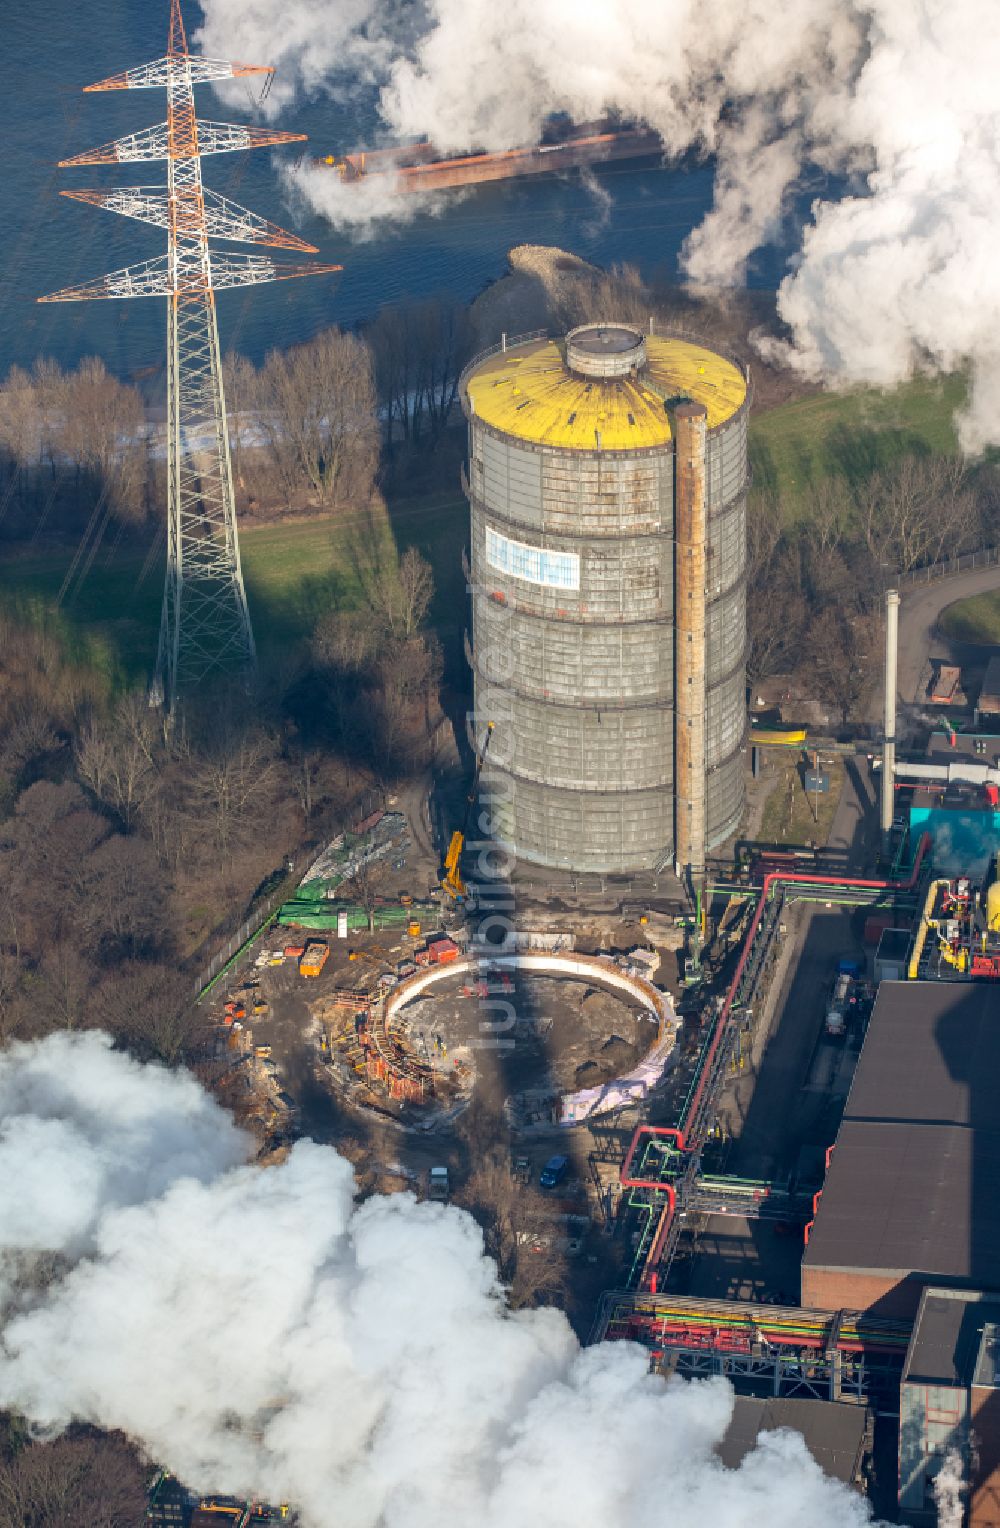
x=229, y=785
x=315, y=408
x=240, y=381
x=30, y=737
x=764, y=528
x=49, y=844
x=444, y=345
x=62, y=984
x=14, y=1008
x=149, y=1007
x=126, y=919
x=917, y=511
x=345, y=640
x=836, y=650
x=830, y=508
x=589, y=295
x=366, y=886
x=116, y=758
x=79, y=437
x=400, y=592
x=95, y=1479
x=409, y=678
x=23, y=429
x=776, y=605
x=520, y=1232
x=396, y=342
x=101, y=430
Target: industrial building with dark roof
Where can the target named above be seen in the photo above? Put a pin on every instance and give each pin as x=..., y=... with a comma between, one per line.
x=910, y=1198
x=836, y=1434
x=950, y=1401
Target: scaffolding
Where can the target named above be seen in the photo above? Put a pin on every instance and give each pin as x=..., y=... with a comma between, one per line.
x=771, y=1349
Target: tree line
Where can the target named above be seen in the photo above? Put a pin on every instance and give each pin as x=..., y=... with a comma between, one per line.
x=80, y=448
x=124, y=843
x=818, y=570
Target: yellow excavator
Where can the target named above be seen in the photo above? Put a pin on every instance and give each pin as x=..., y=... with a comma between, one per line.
x=451, y=882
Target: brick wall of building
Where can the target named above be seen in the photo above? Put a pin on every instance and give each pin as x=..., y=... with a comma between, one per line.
x=984, y=1496
x=839, y=1289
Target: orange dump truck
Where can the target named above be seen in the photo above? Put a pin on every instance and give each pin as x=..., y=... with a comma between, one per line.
x=314, y=957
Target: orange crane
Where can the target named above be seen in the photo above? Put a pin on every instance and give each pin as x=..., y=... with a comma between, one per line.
x=451, y=882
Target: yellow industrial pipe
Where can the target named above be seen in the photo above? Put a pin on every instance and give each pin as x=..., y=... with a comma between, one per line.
x=926, y=922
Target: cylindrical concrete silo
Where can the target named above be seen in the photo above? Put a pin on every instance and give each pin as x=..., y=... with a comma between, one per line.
x=607, y=480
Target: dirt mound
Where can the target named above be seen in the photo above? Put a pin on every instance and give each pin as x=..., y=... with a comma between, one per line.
x=530, y=294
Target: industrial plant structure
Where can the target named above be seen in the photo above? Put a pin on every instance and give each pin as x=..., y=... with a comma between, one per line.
x=607, y=483
x=910, y=1195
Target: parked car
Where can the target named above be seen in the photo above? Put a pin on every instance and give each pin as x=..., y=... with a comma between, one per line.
x=554, y=1171
x=438, y=1186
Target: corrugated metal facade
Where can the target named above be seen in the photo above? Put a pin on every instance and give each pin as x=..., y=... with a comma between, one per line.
x=573, y=653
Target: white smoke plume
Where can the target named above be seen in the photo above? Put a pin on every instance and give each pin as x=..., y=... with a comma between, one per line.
x=949, y=1491
x=85, y=1132
x=362, y=206
x=257, y=1331
x=899, y=95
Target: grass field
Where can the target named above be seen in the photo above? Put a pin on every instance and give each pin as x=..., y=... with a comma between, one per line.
x=788, y=811
x=973, y=620
x=850, y=435
x=293, y=572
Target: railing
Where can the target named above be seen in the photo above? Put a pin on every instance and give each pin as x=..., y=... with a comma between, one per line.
x=668, y=331
x=248, y=930
x=983, y=557
x=261, y=913
x=507, y=342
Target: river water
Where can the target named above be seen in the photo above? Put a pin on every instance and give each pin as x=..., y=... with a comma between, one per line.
x=52, y=50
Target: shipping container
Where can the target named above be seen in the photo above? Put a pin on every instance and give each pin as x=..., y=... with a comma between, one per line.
x=314, y=958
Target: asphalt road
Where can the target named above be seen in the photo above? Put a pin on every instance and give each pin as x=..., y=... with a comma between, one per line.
x=853, y=832
x=919, y=610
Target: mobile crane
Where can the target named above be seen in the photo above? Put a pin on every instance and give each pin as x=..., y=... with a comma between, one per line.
x=451, y=882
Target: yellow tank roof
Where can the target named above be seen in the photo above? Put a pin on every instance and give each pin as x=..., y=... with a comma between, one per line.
x=529, y=392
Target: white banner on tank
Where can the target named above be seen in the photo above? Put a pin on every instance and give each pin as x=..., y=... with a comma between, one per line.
x=536, y=565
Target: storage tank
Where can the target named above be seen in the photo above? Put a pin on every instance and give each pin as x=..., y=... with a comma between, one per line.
x=607, y=485
x=993, y=904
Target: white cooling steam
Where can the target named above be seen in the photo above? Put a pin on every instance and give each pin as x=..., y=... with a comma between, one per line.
x=257, y=1332
x=899, y=95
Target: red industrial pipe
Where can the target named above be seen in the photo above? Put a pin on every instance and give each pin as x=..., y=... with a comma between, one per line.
x=794, y=879
x=677, y=1136
x=656, y=1250
x=666, y=1218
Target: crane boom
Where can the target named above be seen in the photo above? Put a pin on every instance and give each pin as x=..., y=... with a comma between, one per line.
x=451, y=881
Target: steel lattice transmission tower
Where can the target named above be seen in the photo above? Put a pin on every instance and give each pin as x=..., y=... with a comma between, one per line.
x=205, y=623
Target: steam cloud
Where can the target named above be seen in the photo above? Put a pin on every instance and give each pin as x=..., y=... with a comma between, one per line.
x=257, y=1332
x=899, y=95
x=949, y=1491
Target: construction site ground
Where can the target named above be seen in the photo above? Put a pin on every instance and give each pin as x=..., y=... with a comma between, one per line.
x=787, y=1091
x=557, y=1036
x=286, y=1076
